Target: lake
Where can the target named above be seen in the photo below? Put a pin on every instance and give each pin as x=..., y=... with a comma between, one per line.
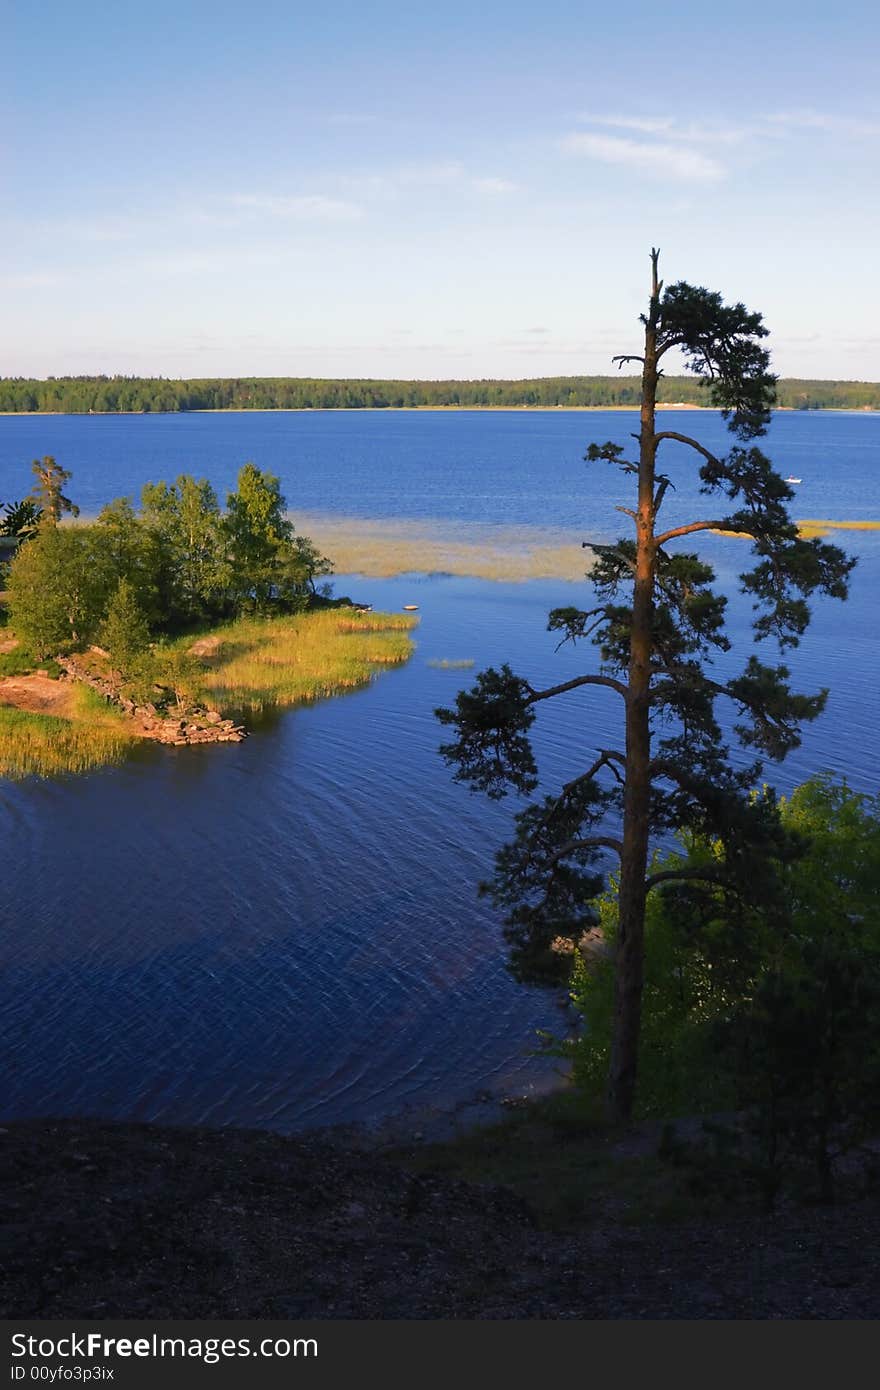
x=286, y=932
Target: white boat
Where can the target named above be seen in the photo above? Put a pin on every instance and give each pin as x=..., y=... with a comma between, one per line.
x=410, y=607
x=792, y=479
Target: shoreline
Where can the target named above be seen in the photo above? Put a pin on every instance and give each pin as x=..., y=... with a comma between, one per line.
x=415, y=409
x=157, y=1221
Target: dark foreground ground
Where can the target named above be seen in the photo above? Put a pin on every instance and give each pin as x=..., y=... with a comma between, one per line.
x=104, y=1221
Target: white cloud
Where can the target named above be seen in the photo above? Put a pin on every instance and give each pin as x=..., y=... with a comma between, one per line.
x=692, y=132
x=648, y=125
x=824, y=120
x=312, y=207
x=494, y=185
x=660, y=159
x=442, y=171
x=31, y=280
x=201, y=262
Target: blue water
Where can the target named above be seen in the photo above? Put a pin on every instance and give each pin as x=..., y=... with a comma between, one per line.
x=507, y=467
x=286, y=932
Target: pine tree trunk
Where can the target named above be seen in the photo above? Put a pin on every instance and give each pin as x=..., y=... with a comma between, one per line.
x=629, y=965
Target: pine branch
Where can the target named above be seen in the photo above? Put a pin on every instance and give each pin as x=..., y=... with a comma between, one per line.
x=686, y=439
x=591, y=842
x=668, y=875
x=718, y=524
x=609, y=681
x=663, y=485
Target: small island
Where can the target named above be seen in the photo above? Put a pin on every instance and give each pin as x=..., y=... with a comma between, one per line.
x=168, y=623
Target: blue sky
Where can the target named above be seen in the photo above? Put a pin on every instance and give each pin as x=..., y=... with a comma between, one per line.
x=427, y=191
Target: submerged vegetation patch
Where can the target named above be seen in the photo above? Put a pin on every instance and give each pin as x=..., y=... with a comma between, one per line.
x=380, y=549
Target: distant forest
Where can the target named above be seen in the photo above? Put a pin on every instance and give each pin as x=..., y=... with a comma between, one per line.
x=101, y=395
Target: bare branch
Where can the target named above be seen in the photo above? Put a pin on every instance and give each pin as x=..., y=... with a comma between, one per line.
x=668, y=875
x=628, y=511
x=612, y=550
x=587, y=631
x=608, y=681
x=626, y=357
x=608, y=757
x=664, y=484
x=686, y=439
x=716, y=525
x=591, y=842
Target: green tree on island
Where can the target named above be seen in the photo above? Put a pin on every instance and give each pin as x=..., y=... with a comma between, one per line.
x=56, y=590
x=179, y=561
x=186, y=528
x=657, y=623
x=125, y=631
x=268, y=562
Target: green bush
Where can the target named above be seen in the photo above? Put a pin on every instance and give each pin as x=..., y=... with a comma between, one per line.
x=774, y=1012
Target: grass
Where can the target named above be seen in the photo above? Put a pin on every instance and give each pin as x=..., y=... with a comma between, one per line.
x=259, y=662
x=809, y=529
x=265, y=662
x=43, y=745
x=569, y=1170
x=812, y=528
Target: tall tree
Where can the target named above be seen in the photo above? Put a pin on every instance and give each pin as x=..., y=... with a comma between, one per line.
x=125, y=631
x=56, y=591
x=656, y=624
x=47, y=490
x=268, y=562
x=186, y=528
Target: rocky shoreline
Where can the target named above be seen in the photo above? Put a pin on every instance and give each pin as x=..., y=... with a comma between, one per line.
x=199, y=724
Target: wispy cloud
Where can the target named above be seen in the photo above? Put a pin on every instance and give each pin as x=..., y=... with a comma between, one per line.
x=31, y=280
x=659, y=159
x=494, y=185
x=311, y=207
x=687, y=132
x=648, y=125
x=736, y=132
x=401, y=179
x=201, y=261
x=825, y=120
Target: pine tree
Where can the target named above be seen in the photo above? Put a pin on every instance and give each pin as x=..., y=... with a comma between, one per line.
x=657, y=623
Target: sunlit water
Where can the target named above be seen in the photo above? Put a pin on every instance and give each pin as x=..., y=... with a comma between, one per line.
x=286, y=932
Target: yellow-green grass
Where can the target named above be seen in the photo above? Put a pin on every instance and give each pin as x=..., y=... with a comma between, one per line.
x=812, y=528
x=265, y=662
x=809, y=529
x=44, y=745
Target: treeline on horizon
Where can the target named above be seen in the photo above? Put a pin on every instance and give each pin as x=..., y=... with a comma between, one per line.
x=82, y=395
